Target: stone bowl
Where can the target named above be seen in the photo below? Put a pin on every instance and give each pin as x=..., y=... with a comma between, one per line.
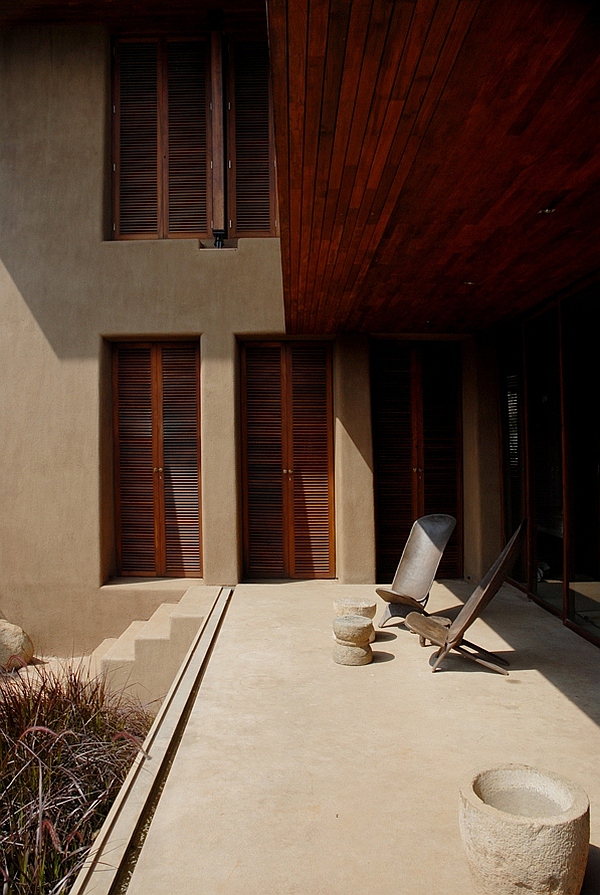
x=524, y=830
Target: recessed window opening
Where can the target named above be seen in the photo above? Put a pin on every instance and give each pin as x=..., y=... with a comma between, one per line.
x=192, y=138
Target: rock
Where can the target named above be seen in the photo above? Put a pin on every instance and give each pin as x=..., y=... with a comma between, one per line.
x=15, y=644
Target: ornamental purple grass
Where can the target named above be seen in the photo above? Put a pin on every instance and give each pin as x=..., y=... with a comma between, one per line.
x=66, y=745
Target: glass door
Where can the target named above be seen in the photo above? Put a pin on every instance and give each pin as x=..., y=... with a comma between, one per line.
x=582, y=389
x=544, y=427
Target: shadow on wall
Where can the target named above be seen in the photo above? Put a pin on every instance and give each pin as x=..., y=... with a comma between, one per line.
x=55, y=227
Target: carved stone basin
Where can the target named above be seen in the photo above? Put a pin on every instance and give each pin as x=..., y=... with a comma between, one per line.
x=524, y=830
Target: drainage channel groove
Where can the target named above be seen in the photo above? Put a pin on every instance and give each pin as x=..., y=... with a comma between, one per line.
x=134, y=849
x=126, y=827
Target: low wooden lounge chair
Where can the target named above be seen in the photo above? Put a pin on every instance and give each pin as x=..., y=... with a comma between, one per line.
x=452, y=638
x=417, y=567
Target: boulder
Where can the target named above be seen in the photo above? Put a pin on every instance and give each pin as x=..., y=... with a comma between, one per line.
x=14, y=642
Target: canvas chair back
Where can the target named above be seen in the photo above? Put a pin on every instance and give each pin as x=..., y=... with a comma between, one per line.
x=487, y=588
x=421, y=555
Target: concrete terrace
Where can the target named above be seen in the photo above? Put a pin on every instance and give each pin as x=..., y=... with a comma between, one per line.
x=296, y=775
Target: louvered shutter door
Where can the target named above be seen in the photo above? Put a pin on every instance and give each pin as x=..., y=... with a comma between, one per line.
x=135, y=477
x=252, y=180
x=137, y=151
x=180, y=442
x=442, y=453
x=187, y=178
x=264, y=522
x=311, y=461
x=392, y=443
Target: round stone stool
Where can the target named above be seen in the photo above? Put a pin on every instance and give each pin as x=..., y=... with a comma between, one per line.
x=352, y=634
x=356, y=606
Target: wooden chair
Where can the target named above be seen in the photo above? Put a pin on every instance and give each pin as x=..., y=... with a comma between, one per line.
x=418, y=564
x=452, y=637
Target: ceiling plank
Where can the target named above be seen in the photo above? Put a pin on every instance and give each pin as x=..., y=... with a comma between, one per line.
x=443, y=129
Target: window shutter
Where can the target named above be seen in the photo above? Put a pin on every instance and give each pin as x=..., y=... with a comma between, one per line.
x=251, y=181
x=137, y=159
x=135, y=460
x=288, y=460
x=415, y=393
x=264, y=522
x=162, y=171
x=157, y=458
x=312, y=461
x=442, y=455
x=187, y=178
x=180, y=378
x=392, y=448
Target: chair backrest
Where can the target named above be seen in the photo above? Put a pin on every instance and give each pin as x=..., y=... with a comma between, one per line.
x=487, y=588
x=421, y=555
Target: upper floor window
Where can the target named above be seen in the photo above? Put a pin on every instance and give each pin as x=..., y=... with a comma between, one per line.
x=193, y=148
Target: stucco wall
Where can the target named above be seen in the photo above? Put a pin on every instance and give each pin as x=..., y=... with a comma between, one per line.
x=355, y=513
x=65, y=291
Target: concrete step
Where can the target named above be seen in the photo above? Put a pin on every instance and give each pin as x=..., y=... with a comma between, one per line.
x=118, y=660
x=147, y=656
x=95, y=659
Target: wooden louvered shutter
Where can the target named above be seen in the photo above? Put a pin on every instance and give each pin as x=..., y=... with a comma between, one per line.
x=251, y=176
x=157, y=438
x=136, y=191
x=311, y=461
x=135, y=460
x=416, y=446
x=180, y=449
x=187, y=156
x=442, y=454
x=392, y=449
x=264, y=542
x=288, y=460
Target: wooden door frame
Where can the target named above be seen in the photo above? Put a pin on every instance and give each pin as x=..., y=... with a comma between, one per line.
x=418, y=470
x=155, y=346
x=287, y=450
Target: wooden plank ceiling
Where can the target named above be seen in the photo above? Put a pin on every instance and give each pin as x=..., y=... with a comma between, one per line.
x=245, y=17
x=438, y=160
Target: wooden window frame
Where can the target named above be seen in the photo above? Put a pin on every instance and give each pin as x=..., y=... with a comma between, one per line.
x=220, y=138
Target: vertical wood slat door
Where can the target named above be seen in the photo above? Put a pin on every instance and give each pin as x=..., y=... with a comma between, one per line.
x=288, y=460
x=156, y=397
x=417, y=446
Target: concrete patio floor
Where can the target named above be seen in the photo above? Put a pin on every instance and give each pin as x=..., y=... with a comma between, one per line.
x=296, y=775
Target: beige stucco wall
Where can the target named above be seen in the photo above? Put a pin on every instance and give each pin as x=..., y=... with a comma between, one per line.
x=65, y=291
x=355, y=519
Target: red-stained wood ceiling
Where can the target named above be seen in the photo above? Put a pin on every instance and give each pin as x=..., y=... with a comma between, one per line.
x=438, y=160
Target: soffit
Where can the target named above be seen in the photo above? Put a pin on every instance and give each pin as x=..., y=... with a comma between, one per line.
x=246, y=17
x=419, y=144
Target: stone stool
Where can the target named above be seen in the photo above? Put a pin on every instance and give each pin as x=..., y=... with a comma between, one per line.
x=352, y=634
x=356, y=606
